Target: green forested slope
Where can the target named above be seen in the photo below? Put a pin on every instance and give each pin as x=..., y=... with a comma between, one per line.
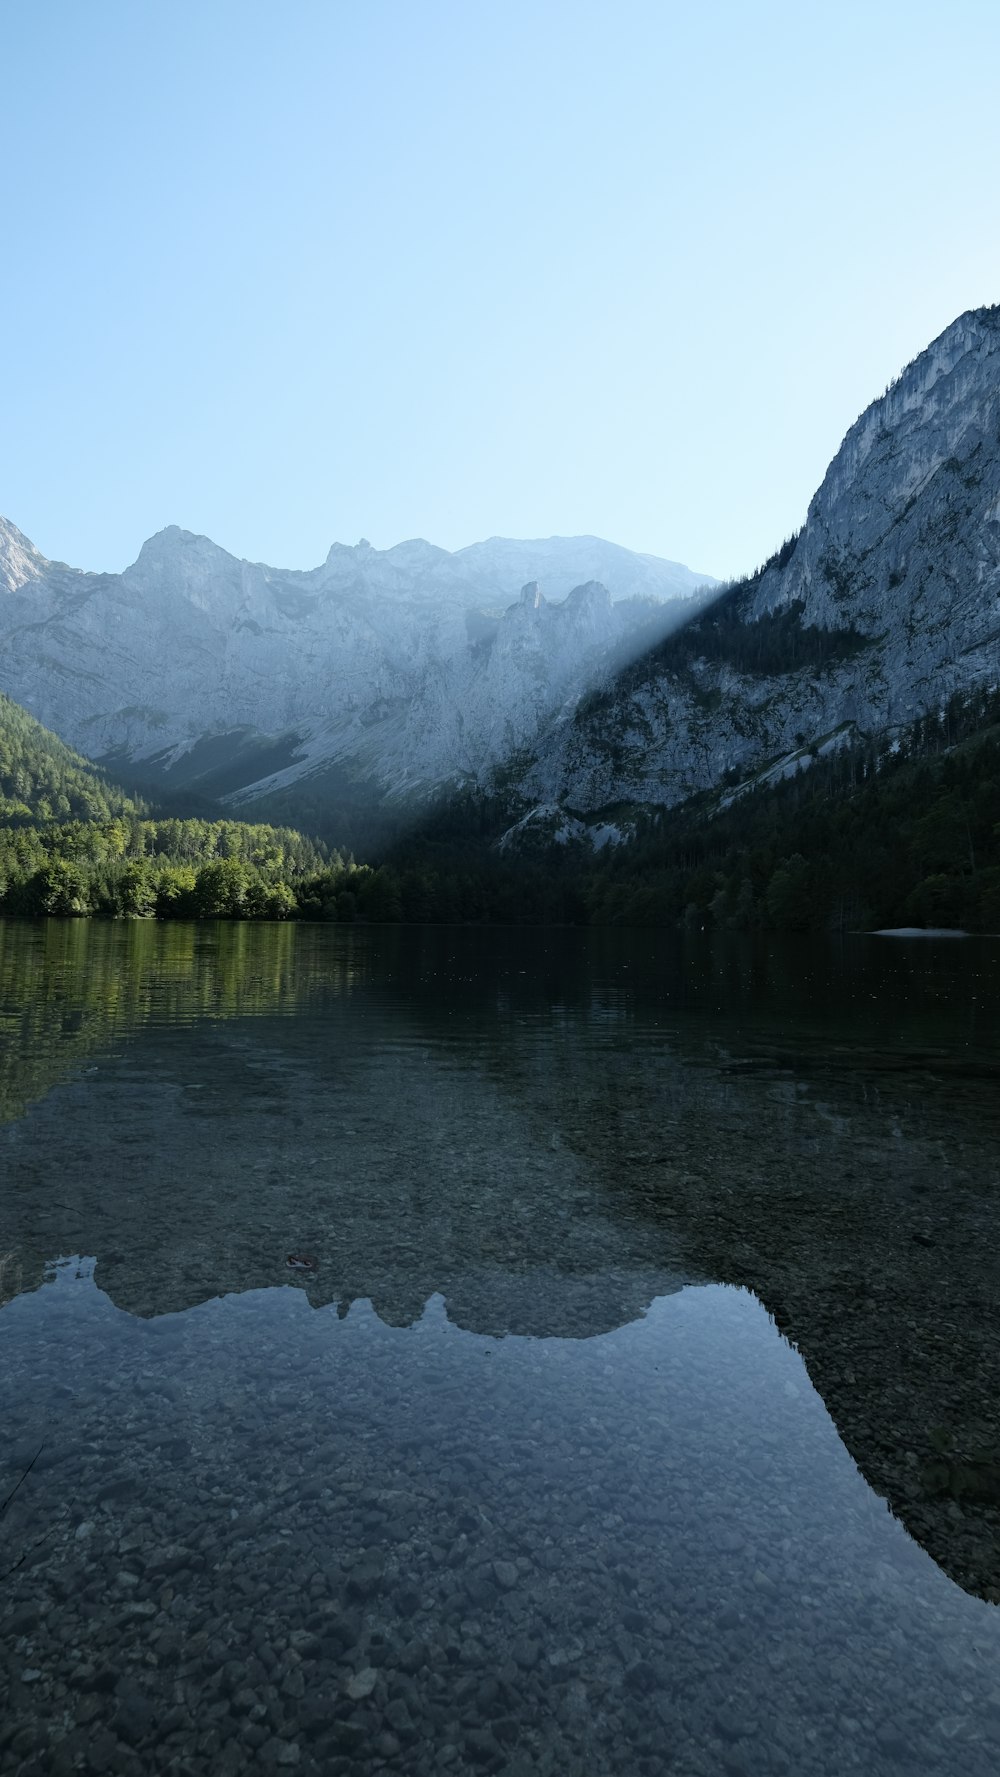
x=72, y=843
x=170, y=868
x=900, y=835
x=907, y=835
x=41, y=779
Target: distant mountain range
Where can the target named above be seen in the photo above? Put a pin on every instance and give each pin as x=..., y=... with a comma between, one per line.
x=580, y=681
x=403, y=669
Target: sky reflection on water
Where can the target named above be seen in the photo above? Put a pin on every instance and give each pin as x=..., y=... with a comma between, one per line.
x=510, y=1482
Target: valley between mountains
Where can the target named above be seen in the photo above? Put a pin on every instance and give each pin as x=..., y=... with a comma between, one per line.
x=673, y=746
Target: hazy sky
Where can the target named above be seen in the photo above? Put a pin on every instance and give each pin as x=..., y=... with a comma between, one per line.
x=294, y=272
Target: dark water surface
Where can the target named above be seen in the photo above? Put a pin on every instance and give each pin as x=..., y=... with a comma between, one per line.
x=638, y=1412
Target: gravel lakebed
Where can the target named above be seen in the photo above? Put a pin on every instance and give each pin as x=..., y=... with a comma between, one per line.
x=598, y=1437
x=424, y=1549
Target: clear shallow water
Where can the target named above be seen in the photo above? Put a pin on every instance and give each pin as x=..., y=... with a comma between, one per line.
x=523, y=1477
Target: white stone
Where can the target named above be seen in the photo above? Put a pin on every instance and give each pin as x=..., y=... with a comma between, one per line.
x=361, y=1684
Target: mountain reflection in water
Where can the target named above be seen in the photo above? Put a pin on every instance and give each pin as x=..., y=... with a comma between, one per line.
x=528, y=1488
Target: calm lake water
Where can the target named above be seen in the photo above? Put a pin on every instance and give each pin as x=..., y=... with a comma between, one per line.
x=634, y=1406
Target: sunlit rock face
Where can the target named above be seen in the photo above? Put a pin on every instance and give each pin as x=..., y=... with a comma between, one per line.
x=898, y=562
x=410, y=666
x=413, y=670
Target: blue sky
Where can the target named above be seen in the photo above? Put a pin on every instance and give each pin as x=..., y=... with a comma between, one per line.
x=293, y=273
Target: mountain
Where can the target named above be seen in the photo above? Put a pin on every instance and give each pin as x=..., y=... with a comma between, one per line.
x=41, y=779
x=582, y=682
x=73, y=843
x=885, y=605
x=562, y=563
x=401, y=669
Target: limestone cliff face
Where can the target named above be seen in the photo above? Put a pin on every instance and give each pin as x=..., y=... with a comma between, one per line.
x=414, y=669
x=409, y=664
x=20, y=561
x=902, y=539
x=897, y=567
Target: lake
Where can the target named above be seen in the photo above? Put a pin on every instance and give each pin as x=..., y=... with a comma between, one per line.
x=631, y=1401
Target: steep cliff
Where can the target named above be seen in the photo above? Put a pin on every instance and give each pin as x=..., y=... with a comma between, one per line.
x=886, y=603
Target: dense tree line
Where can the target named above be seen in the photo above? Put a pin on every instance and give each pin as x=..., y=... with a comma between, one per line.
x=71, y=842
x=170, y=869
x=41, y=779
x=903, y=833
x=907, y=833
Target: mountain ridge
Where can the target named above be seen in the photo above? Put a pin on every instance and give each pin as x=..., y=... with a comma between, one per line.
x=670, y=578
x=409, y=668
x=886, y=604
x=412, y=672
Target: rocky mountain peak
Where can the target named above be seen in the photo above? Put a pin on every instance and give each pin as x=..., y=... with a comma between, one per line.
x=20, y=561
x=937, y=407
x=172, y=545
x=916, y=478
x=415, y=666
x=591, y=596
x=884, y=606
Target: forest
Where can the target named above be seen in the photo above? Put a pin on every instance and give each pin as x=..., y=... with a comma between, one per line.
x=42, y=780
x=71, y=842
x=905, y=833
x=167, y=869
x=901, y=834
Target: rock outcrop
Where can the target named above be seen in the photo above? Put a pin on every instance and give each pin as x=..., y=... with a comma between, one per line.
x=412, y=670
x=411, y=667
x=886, y=604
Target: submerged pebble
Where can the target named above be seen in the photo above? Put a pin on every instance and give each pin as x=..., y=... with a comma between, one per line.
x=314, y=1529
